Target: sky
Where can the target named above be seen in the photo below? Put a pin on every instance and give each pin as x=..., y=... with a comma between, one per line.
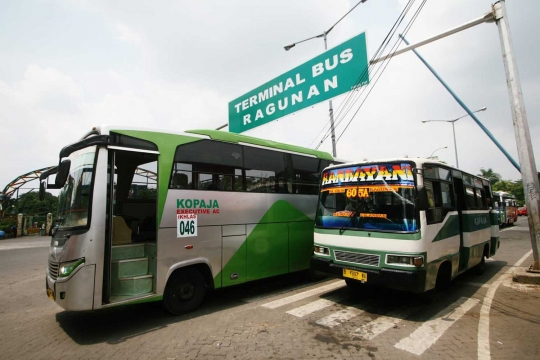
x=69, y=65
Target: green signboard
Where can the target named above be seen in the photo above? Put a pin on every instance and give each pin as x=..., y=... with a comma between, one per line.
x=333, y=73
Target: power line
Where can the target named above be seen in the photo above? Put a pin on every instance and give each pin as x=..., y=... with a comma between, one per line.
x=355, y=94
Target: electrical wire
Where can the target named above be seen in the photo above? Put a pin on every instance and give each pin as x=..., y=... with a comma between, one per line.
x=354, y=96
x=346, y=105
x=407, y=28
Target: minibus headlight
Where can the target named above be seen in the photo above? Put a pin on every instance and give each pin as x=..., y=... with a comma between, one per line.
x=321, y=250
x=405, y=260
x=67, y=268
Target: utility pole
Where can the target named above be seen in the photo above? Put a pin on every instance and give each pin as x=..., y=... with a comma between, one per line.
x=331, y=111
x=521, y=129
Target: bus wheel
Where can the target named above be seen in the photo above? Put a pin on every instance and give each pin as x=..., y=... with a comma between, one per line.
x=184, y=291
x=444, y=277
x=479, y=269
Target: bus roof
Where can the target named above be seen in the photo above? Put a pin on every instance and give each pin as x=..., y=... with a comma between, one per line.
x=223, y=136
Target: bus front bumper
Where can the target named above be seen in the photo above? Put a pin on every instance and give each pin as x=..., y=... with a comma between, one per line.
x=412, y=281
x=75, y=292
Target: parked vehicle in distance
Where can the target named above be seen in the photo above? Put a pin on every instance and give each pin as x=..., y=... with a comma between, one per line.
x=522, y=211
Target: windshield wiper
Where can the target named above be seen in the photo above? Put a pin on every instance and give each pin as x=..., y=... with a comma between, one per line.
x=347, y=223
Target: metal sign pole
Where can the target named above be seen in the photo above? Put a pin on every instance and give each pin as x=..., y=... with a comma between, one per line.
x=331, y=111
x=521, y=128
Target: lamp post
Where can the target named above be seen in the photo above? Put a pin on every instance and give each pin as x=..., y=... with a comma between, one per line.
x=454, y=129
x=430, y=156
x=323, y=35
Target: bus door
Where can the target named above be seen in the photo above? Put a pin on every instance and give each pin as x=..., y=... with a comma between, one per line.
x=130, y=261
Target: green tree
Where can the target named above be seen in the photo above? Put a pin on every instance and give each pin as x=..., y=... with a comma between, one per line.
x=30, y=204
x=489, y=174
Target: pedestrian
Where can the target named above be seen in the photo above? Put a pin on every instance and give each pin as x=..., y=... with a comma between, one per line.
x=14, y=231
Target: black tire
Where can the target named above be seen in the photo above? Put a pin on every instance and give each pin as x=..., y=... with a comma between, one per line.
x=185, y=291
x=479, y=269
x=444, y=278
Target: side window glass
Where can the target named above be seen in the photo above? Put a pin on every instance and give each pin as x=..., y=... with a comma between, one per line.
x=266, y=171
x=446, y=196
x=208, y=165
x=144, y=183
x=431, y=197
x=306, y=175
x=470, y=198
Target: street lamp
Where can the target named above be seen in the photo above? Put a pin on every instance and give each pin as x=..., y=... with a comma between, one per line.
x=431, y=156
x=323, y=35
x=454, y=130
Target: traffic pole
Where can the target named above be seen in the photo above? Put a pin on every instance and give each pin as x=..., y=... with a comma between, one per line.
x=529, y=174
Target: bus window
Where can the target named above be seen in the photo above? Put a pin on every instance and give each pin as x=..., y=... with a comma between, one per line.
x=306, y=175
x=265, y=171
x=208, y=165
x=470, y=198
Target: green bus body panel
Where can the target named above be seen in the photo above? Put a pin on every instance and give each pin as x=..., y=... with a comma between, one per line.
x=475, y=222
x=237, y=138
x=449, y=229
x=266, y=246
x=280, y=231
x=375, y=235
x=300, y=245
x=166, y=144
x=471, y=256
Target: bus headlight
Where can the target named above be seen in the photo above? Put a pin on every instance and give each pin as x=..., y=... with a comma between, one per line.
x=67, y=268
x=321, y=250
x=405, y=260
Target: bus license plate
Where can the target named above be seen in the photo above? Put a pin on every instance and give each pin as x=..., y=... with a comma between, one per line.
x=50, y=294
x=353, y=274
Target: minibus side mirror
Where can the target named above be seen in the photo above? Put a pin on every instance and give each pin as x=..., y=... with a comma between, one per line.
x=63, y=172
x=42, y=190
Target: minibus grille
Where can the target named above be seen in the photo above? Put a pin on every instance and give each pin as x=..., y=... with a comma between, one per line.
x=357, y=258
x=53, y=270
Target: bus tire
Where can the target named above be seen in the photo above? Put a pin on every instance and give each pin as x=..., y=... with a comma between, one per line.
x=479, y=269
x=444, y=277
x=185, y=291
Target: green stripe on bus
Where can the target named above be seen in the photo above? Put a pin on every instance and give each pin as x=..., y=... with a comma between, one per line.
x=475, y=222
x=450, y=228
x=281, y=230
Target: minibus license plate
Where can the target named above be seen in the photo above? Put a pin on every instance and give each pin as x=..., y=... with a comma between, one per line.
x=353, y=274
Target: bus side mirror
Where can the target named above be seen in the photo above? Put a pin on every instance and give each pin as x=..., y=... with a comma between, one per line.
x=42, y=190
x=422, y=199
x=63, y=172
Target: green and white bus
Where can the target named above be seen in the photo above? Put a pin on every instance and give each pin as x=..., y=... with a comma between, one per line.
x=407, y=224
x=148, y=215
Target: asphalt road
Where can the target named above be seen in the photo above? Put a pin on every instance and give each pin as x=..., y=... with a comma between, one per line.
x=287, y=317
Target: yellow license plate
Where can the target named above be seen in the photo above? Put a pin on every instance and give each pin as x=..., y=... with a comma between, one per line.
x=50, y=294
x=353, y=274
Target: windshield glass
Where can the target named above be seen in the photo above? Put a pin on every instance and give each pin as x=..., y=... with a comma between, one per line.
x=368, y=197
x=74, y=198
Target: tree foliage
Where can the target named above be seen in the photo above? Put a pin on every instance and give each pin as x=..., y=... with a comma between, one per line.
x=489, y=174
x=29, y=204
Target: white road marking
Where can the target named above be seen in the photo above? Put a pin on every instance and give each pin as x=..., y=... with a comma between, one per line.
x=339, y=317
x=310, y=308
x=430, y=331
x=381, y=324
x=484, y=352
x=303, y=295
x=470, y=283
x=518, y=228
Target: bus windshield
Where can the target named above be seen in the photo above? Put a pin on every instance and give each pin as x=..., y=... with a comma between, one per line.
x=373, y=197
x=74, y=197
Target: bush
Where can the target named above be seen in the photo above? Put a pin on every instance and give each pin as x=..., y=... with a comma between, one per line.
x=6, y=224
